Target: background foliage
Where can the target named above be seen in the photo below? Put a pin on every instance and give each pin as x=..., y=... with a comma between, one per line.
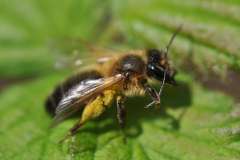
x=199, y=119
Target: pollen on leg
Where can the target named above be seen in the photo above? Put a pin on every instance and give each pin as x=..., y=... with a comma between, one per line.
x=97, y=106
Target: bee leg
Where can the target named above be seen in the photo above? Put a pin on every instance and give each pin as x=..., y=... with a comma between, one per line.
x=72, y=131
x=75, y=128
x=151, y=91
x=92, y=110
x=126, y=80
x=121, y=111
x=121, y=115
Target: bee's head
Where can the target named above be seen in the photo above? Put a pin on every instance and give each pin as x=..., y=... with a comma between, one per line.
x=158, y=65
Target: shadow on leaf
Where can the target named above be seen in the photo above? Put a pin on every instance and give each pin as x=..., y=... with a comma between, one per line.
x=177, y=97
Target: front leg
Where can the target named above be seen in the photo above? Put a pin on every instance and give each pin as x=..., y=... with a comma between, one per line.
x=151, y=91
x=121, y=111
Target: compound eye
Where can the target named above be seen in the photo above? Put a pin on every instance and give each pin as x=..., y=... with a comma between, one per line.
x=154, y=56
x=155, y=71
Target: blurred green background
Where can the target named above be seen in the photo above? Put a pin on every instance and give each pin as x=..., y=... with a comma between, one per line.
x=199, y=118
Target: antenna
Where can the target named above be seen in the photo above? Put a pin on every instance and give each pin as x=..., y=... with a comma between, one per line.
x=172, y=38
x=163, y=82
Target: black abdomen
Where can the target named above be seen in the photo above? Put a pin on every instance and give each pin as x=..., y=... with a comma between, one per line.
x=58, y=93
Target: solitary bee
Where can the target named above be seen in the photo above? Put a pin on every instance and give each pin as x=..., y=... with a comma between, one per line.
x=113, y=79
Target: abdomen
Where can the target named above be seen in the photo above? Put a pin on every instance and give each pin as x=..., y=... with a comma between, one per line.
x=58, y=93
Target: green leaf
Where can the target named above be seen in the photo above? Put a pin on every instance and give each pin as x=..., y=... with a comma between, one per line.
x=30, y=30
x=210, y=29
x=194, y=122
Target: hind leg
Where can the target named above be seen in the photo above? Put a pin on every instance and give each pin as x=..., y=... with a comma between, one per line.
x=121, y=115
x=72, y=131
x=92, y=110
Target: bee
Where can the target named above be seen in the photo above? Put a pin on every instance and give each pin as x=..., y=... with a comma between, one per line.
x=93, y=91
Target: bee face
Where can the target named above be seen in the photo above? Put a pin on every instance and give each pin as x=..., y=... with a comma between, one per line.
x=157, y=66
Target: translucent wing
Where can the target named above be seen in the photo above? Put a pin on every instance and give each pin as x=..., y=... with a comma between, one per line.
x=83, y=92
x=81, y=53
